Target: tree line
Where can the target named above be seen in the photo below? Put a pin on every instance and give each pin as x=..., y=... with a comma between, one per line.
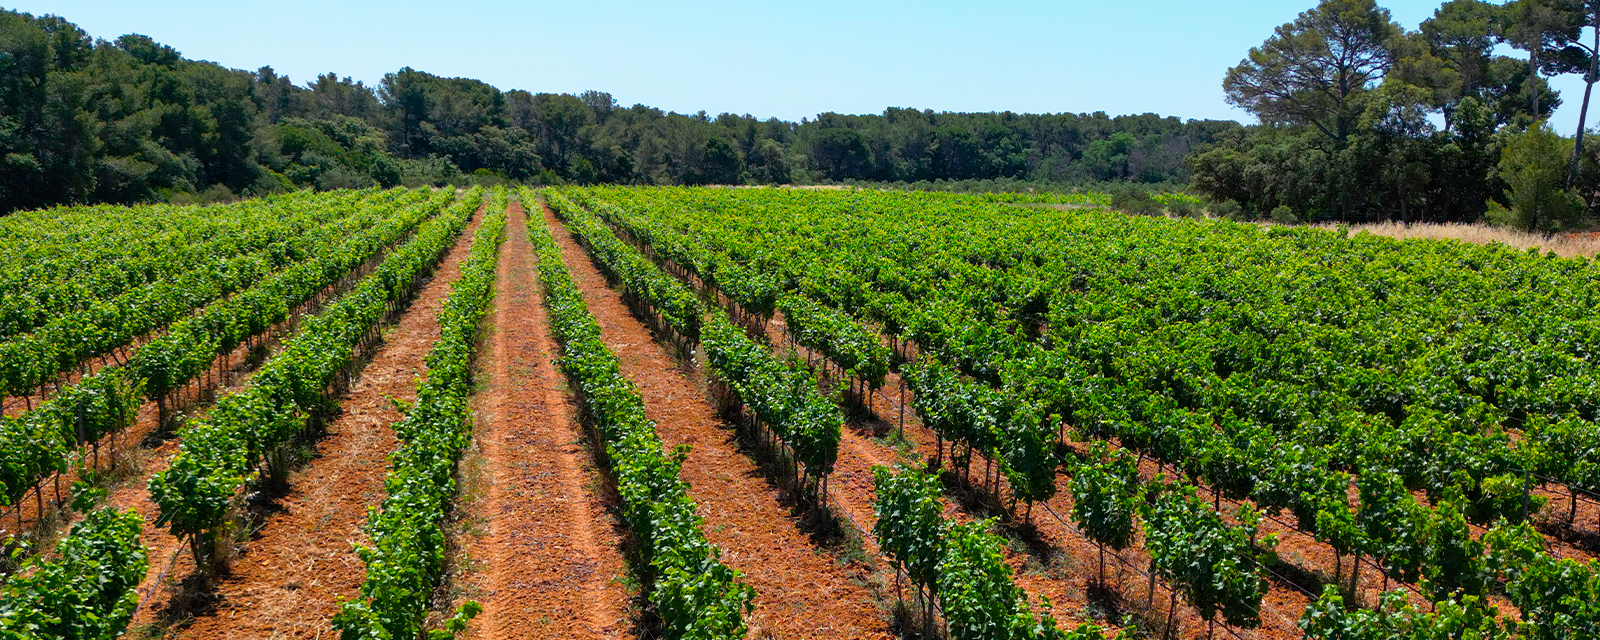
x=84, y=120
x=1363, y=120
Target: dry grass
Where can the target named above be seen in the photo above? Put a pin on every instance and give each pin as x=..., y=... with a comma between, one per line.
x=1563, y=244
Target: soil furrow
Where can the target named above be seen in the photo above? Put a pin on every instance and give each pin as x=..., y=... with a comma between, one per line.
x=1042, y=569
x=544, y=557
x=802, y=591
x=132, y=455
x=292, y=573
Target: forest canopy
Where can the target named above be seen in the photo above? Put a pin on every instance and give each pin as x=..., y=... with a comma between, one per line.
x=1363, y=120
x=84, y=120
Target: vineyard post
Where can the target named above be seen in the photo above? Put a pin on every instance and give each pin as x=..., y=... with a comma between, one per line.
x=78, y=421
x=1150, y=591
x=1172, y=611
x=1338, y=564
x=1526, y=488
x=1355, y=579
x=903, y=421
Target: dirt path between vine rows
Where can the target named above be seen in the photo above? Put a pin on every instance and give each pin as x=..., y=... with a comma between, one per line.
x=1042, y=570
x=128, y=458
x=1053, y=558
x=291, y=575
x=801, y=591
x=147, y=451
x=544, y=557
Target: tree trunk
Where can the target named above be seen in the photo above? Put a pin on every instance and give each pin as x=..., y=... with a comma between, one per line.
x=1102, y=566
x=1583, y=113
x=1533, y=82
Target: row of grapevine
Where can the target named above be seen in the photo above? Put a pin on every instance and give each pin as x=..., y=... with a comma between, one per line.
x=756, y=294
x=693, y=592
x=838, y=337
x=62, y=260
x=638, y=276
x=753, y=291
x=87, y=590
x=289, y=394
x=959, y=567
x=1129, y=330
x=987, y=421
x=29, y=361
x=783, y=396
x=980, y=599
x=39, y=443
x=188, y=347
x=1213, y=564
x=405, y=560
x=1558, y=599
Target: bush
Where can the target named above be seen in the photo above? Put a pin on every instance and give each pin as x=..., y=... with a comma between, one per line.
x=1282, y=214
x=1134, y=200
x=1180, y=208
x=1229, y=210
x=215, y=194
x=1533, y=163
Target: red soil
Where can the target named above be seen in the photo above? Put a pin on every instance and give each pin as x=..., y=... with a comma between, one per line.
x=1044, y=570
x=545, y=556
x=290, y=577
x=802, y=592
x=127, y=457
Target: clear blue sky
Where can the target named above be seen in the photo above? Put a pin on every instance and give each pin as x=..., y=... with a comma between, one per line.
x=790, y=60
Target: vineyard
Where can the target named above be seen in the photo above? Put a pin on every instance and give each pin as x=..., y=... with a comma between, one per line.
x=777, y=413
